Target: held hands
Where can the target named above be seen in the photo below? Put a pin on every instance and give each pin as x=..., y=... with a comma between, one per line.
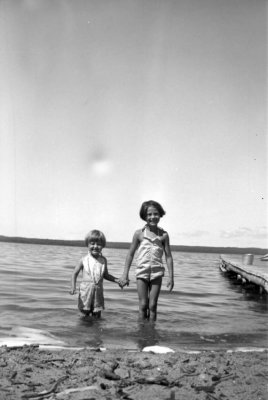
x=120, y=283
x=123, y=282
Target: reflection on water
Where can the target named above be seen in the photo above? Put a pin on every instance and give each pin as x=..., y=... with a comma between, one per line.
x=147, y=334
x=92, y=330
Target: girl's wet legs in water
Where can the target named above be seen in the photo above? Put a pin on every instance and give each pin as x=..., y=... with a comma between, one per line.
x=148, y=292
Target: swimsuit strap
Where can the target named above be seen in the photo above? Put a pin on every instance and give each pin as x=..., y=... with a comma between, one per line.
x=159, y=231
x=91, y=261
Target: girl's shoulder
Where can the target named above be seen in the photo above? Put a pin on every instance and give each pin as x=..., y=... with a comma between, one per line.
x=138, y=236
x=162, y=233
x=82, y=261
x=84, y=258
x=138, y=232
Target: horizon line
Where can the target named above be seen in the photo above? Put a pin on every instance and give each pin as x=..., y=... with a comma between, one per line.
x=109, y=244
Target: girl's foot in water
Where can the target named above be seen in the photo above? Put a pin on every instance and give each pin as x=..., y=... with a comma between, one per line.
x=97, y=314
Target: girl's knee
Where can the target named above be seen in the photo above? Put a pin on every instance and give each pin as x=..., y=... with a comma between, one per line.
x=153, y=306
x=143, y=305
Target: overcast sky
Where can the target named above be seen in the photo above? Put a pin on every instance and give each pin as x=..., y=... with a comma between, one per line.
x=106, y=104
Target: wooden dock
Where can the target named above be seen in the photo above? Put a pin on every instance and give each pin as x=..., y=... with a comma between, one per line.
x=247, y=274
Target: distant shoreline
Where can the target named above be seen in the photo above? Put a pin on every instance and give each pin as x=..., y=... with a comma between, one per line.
x=125, y=245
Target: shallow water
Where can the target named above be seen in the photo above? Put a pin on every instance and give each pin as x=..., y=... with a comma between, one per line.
x=205, y=310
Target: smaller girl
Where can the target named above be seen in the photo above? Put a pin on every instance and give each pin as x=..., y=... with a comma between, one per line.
x=94, y=270
x=150, y=242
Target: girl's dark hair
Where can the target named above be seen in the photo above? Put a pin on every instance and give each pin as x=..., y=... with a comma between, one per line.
x=95, y=235
x=146, y=204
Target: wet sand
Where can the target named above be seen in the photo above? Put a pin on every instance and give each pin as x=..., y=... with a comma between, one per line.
x=30, y=372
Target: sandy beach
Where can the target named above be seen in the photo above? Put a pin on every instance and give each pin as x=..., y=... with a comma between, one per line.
x=30, y=372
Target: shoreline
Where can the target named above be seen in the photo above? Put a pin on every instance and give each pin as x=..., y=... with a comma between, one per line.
x=43, y=372
x=156, y=349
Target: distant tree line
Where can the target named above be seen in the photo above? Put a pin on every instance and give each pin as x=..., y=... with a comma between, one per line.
x=125, y=245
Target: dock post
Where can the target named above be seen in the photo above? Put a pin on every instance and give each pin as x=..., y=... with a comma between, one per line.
x=247, y=259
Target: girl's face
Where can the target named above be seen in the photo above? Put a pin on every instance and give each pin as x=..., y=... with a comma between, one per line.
x=95, y=247
x=152, y=216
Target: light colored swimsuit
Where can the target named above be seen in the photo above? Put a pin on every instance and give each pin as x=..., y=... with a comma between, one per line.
x=90, y=297
x=149, y=257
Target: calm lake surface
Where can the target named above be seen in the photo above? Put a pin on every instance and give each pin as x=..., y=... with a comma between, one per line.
x=206, y=310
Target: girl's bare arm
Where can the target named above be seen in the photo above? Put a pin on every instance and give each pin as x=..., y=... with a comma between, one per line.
x=133, y=247
x=106, y=274
x=169, y=260
x=75, y=274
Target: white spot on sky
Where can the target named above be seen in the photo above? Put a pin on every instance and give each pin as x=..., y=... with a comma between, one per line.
x=101, y=167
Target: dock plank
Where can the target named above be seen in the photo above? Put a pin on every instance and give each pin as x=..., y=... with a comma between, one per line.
x=250, y=273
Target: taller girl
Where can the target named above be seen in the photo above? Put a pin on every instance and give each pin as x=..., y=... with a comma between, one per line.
x=150, y=242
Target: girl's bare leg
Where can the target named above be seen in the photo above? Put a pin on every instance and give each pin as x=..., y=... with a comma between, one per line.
x=142, y=287
x=154, y=290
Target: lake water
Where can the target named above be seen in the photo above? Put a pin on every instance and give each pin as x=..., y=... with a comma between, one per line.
x=206, y=310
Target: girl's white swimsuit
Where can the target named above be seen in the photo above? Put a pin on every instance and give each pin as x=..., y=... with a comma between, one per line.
x=149, y=257
x=90, y=297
